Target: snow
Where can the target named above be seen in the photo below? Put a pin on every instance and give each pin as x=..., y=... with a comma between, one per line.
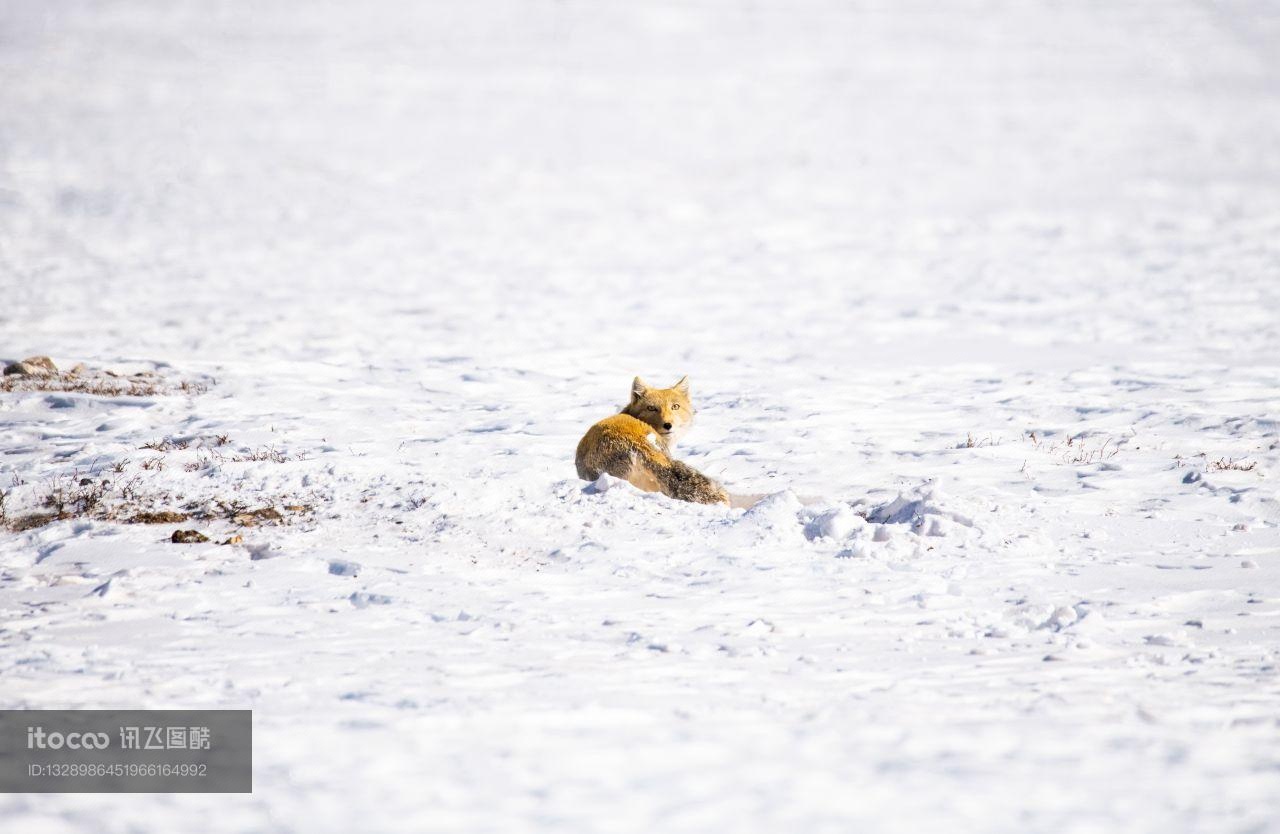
x=982, y=297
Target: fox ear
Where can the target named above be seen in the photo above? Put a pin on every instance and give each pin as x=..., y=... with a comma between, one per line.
x=638, y=388
x=682, y=386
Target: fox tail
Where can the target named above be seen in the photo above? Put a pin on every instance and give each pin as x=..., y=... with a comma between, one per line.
x=680, y=480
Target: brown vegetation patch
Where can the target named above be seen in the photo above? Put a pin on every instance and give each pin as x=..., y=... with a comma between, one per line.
x=102, y=383
x=128, y=501
x=31, y=521
x=157, y=517
x=262, y=515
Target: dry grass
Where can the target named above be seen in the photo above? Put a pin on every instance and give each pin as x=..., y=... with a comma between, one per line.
x=70, y=497
x=128, y=501
x=99, y=386
x=178, y=444
x=102, y=383
x=1233, y=465
x=1077, y=449
x=126, y=492
x=264, y=454
x=242, y=515
x=157, y=517
x=168, y=444
x=212, y=457
x=31, y=521
x=262, y=515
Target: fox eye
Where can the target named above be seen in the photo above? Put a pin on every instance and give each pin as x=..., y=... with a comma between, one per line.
x=675, y=406
x=654, y=408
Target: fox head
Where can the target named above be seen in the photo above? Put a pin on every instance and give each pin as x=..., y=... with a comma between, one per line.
x=667, y=410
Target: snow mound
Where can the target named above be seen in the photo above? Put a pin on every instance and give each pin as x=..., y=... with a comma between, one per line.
x=906, y=526
x=836, y=523
x=773, y=517
x=926, y=511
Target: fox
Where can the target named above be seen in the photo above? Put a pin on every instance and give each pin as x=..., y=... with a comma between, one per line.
x=636, y=445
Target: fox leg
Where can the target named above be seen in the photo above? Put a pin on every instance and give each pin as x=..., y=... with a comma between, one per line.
x=624, y=464
x=642, y=477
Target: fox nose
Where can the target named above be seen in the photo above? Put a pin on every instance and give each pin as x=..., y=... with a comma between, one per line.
x=667, y=426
